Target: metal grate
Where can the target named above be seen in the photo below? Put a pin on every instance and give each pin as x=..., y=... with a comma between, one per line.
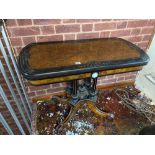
x=20, y=96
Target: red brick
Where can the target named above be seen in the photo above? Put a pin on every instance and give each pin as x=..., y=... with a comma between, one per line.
x=37, y=88
x=105, y=26
x=55, y=85
x=28, y=40
x=120, y=33
x=130, y=77
x=104, y=34
x=110, y=77
x=16, y=41
x=106, y=20
x=69, y=37
x=120, y=79
x=87, y=20
x=49, y=38
x=24, y=22
x=151, y=22
x=137, y=23
x=47, y=29
x=147, y=30
x=118, y=20
x=46, y=21
x=99, y=82
x=135, y=31
x=121, y=25
x=68, y=20
x=134, y=73
x=146, y=37
x=87, y=27
x=135, y=38
x=32, y=94
x=108, y=81
x=67, y=28
x=40, y=92
x=143, y=45
x=87, y=35
x=25, y=31
x=55, y=90
x=64, y=84
x=101, y=78
x=122, y=75
x=11, y=23
x=17, y=50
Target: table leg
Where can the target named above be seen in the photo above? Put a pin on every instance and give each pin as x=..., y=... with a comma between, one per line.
x=87, y=83
x=93, y=92
x=94, y=84
x=74, y=96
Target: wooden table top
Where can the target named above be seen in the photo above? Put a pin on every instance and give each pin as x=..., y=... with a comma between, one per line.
x=55, y=59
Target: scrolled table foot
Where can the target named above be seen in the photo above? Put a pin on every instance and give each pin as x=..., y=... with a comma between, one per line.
x=73, y=110
x=92, y=107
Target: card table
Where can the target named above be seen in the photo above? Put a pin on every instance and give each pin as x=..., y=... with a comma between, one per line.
x=60, y=61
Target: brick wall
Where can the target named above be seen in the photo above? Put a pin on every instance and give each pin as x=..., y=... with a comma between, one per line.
x=23, y=32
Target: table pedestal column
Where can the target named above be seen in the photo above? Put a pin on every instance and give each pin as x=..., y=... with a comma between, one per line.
x=84, y=93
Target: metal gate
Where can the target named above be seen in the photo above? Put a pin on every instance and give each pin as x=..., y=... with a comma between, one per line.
x=20, y=96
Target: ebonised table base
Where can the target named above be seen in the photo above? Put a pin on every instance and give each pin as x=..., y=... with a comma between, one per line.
x=79, y=94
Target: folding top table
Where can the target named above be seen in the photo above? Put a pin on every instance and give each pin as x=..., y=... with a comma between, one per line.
x=51, y=62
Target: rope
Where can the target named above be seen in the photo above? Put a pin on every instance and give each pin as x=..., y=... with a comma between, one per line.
x=137, y=104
